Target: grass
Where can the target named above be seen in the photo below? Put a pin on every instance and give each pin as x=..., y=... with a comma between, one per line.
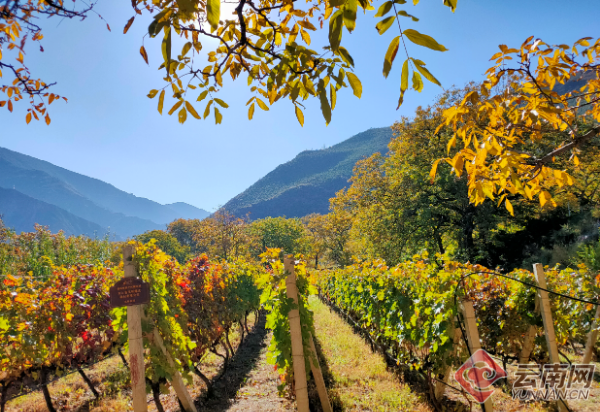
x=112, y=380
x=358, y=378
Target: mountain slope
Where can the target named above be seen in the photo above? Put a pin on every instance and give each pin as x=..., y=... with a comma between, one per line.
x=42, y=186
x=20, y=212
x=305, y=184
x=101, y=193
x=186, y=211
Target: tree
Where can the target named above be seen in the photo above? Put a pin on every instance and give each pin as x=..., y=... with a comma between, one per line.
x=316, y=235
x=183, y=230
x=167, y=243
x=278, y=232
x=269, y=42
x=222, y=235
x=519, y=110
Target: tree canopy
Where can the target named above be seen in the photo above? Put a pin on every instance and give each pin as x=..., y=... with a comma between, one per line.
x=267, y=44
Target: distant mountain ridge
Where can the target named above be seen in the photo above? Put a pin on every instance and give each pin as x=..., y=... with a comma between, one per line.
x=305, y=184
x=87, y=198
x=19, y=211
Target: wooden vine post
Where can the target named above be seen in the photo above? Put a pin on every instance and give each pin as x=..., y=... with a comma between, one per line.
x=296, y=332
x=440, y=385
x=136, y=341
x=592, y=338
x=540, y=277
x=529, y=337
x=466, y=307
x=135, y=314
x=298, y=360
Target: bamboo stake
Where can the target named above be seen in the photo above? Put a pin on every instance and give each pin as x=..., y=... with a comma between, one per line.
x=315, y=367
x=468, y=312
x=136, y=341
x=592, y=338
x=296, y=332
x=529, y=337
x=540, y=276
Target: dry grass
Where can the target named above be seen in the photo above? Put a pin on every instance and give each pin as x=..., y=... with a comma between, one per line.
x=361, y=381
x=112, y=380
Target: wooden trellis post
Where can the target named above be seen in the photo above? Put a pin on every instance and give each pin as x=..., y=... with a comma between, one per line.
x=135, y=314
x=466, y=307
x=592, y=338
x=136, y=341
x=296, y=331
x=529, y=337
x=319, y=381
x=540, y=277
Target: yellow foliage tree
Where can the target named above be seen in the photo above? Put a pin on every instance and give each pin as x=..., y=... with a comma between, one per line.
x=515, y=127
x=268, y=41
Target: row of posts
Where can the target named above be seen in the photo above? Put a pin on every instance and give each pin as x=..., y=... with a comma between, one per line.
x=135, y=314
x=542, y=304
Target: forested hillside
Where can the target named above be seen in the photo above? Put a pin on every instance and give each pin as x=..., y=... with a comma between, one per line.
x=304, y=185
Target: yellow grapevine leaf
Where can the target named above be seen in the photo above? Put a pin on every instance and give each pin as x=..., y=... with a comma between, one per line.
x=299, y=116
x=355, y=84
x=423, y=40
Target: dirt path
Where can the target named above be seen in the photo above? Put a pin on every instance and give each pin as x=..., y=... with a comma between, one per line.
x=249, y=384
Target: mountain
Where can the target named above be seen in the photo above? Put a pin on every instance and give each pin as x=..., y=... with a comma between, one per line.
x=186, y=211
x=20, y=212
x=305, y=184
x=85, y=197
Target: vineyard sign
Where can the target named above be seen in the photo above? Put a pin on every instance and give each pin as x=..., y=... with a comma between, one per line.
x=129, y=292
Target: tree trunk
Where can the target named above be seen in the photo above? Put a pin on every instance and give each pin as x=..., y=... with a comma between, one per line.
x=89, y=382
x=243, y=331
x=202, y=376
x=229, y=343
x=438, y=238
x=45, y=391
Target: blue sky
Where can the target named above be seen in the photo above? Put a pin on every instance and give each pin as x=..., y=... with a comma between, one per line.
x=110, y=130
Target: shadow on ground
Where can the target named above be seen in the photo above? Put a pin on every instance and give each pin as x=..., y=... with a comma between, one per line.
x=225, y=387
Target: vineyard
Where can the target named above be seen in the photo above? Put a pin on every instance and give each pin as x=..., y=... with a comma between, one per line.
x=56, y=317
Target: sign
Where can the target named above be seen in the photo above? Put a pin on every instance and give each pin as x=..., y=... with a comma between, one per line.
x=129, y=292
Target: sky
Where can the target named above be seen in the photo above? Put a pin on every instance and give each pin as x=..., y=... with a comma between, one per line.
x=110, y=130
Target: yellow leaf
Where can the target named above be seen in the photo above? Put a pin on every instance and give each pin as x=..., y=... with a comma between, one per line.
x=251, y=111
x=69, y=316
x=191, y=109
x=355, y=84
x=144, y=54
x=47, y=118
x=262, y=105
x=152, y=93
x=221, y=103
x=509, y=207
x=161, y=100
x=213, y=13
x=175, y=107
x=299, y=116
x=28, y=118
x=218, y=116
x=433, y=171
x=182, y=115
